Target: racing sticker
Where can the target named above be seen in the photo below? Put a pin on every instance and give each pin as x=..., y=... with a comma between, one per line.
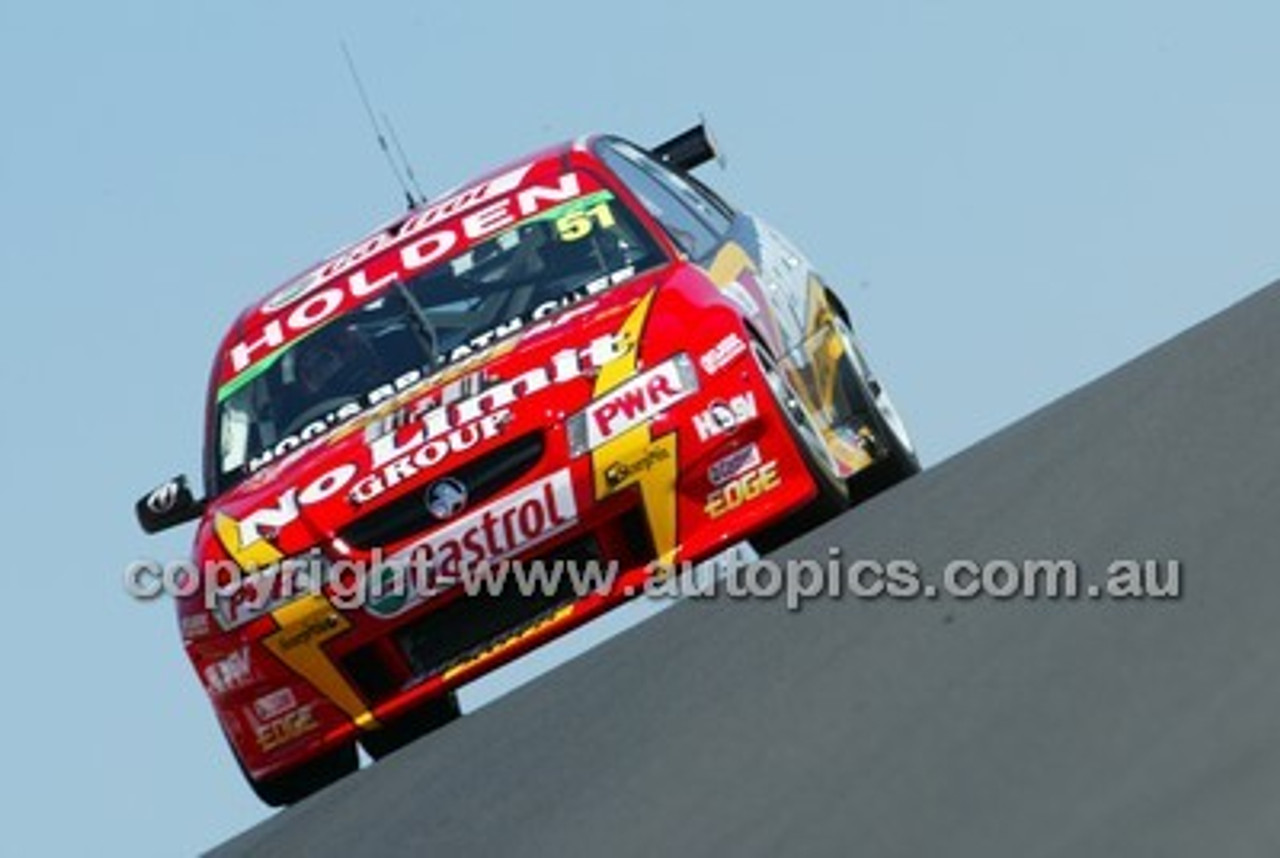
x=625, y=470
x=286, y=728
x=721, y=417
x=228, y=673
x=722, y=354
x=513, y=522
x=618, y=420
x=733, y=465
x=306, y=625
x=630, y=404
x=516, y=521
x=743, y=489
x=422, y=241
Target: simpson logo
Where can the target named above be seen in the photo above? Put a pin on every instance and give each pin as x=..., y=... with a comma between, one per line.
x=513, y=523
x=316, y=626
x=722, y=354
x=743, y=489
x=734, y=464
x=721, y=418
x=619, y=472
x=632, y=403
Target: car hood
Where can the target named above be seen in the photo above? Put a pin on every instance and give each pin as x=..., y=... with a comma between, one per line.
x=520, y=388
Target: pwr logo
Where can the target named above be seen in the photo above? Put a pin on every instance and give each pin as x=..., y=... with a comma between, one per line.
x=630, y=404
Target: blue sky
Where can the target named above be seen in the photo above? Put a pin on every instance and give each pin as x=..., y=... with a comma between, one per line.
x=1012, y=198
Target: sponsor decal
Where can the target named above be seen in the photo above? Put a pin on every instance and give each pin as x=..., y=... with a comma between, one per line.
x=722, y=418
x=733, y=465
x=286, y=728
x=306, y=625
x=329, y=290
x=192, y=626
x=315, y=628
x=336, y=417
x=394, y=462
x=394, y=591
x=359, y=252
x=275, y=704
x=657, y=498
x=636, y=401
x=246, y=598
x=743, y=489
x=722, y=354
x=515, y=522
x=229, y=673
x=622, y=471
x=536, y=321
x=404, y=444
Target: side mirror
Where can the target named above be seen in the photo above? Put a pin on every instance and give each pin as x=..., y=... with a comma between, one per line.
x=689, y=149
x=168, y=505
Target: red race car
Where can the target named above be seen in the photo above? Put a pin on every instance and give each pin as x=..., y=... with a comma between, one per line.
x=586, y=357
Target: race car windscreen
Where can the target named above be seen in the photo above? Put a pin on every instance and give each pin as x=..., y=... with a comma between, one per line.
x=465, y=304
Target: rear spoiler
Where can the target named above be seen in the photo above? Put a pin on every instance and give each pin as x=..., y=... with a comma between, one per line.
x=689, y=149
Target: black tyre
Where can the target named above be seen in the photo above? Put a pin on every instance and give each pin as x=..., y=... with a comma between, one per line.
x=312, y=776
x=423, y=720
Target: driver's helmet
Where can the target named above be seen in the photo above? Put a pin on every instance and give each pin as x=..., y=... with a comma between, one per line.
x=334, y=361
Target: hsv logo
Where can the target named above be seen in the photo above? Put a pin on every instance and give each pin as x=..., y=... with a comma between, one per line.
x=630, y=404
x=721, y=417
x=229, y=673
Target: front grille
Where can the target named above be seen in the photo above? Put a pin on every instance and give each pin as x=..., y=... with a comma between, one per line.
x=460, y=626
x=469, y=624
x=407, y=516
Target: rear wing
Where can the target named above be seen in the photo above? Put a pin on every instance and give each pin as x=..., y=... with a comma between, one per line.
x=689, y=149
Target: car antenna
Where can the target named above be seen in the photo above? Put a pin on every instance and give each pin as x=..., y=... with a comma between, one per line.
x=381, y=138
x=404, y=159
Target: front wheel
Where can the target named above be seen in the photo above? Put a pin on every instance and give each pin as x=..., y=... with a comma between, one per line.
x=427, y=718
x=833, y=492
x=301, y=781
x=896, y=458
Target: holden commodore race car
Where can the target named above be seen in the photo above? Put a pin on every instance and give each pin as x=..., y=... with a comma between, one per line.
x=586, y=356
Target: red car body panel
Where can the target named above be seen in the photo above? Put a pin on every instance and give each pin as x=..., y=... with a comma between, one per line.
x=607, y=400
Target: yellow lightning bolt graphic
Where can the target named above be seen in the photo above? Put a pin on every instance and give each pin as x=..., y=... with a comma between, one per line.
x=305, y=626
x=257, y=554
x=657, y=482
